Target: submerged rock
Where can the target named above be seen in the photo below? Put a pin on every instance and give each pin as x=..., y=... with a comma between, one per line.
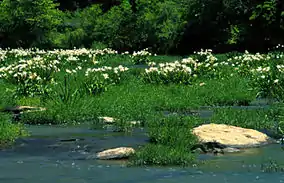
x=213, y=147
x=231, y=136
x=116, y=153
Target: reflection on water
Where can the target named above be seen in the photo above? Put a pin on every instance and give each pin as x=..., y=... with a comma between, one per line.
x=45, y=158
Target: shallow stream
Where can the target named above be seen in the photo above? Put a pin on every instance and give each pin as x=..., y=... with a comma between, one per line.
x=55, y=154
x=64, y=154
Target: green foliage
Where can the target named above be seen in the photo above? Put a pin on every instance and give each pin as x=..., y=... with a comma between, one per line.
x=265, y=11
x=173, y=131
x=160, y=23
x=171, y=140
x=66, y=91
x=69, y=39
x=260, y=119
x=6, y=94
x=141, y=57
x=31, y=77
x=114, y=28
x=95, y=84
x=26, y=23
x=162, y=155
x=9, y=132
x=166, y=26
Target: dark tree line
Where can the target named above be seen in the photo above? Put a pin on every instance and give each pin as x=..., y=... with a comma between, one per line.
x=165, y=26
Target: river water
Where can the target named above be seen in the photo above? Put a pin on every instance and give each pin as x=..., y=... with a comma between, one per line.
x=60, y=154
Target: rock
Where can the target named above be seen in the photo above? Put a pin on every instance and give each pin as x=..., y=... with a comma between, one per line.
x=18, y=110
x=231, y=136
x=111, y=120
x=116, y=153
x=213, y=147
x=107, y=120
x=231, y=150
x=217, y=151
x=198, y=150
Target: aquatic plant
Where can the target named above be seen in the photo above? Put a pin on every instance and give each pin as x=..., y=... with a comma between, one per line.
x=271, y=167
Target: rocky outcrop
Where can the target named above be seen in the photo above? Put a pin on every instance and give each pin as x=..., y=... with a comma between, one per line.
x=221, y=138
x=116, y=153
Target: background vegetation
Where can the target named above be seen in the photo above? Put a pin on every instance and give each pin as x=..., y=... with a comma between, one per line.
x=165, y=26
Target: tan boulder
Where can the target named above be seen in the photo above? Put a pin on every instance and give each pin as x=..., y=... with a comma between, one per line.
x=116, y=153
x=231, y=136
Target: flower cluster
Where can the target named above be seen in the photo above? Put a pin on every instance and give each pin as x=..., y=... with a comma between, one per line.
x=31, y=75
x=172, y=72
x=141, y=57
x=97, y=79
x=36, y=68
x=65, y=57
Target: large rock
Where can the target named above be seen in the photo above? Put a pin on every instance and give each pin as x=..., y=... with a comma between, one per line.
x=116, y=153
x=231, y=136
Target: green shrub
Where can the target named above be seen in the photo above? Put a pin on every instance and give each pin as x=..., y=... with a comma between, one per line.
x=160, y=24
x=27, y=23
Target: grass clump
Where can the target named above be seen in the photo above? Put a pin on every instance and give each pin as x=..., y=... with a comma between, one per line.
x=162, y=155
x=170, y=142
x=9, y=132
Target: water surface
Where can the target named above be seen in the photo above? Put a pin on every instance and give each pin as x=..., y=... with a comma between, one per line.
x=58, y=154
